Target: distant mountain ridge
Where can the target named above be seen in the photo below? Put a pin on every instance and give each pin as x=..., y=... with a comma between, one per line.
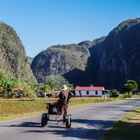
x=108, y=61
x=59, y=59
x=13, y=59
x=117, y=57
x=88, y=43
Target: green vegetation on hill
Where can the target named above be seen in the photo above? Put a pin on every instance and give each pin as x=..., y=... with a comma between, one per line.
x=13, y=59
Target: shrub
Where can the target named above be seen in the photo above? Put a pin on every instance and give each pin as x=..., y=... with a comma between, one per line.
x=114, y=93
x=127, y=95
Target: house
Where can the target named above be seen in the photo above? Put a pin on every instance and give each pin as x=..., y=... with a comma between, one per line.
x=91, y=91
x=18, y=92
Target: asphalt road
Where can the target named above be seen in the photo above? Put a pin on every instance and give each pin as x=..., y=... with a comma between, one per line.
x=89, y=123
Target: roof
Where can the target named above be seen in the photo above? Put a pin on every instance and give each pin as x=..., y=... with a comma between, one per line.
x=89, y=88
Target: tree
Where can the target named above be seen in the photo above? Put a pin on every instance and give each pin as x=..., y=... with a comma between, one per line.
x=54, y=81
x=131, y=86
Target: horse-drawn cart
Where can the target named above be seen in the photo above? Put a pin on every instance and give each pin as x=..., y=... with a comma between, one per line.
x=57, y=110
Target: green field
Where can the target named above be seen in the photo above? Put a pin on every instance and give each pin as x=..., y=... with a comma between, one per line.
x=14, y=108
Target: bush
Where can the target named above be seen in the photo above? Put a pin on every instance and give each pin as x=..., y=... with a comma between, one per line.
x=114, y=93
x=7, y=86
x=127, y=95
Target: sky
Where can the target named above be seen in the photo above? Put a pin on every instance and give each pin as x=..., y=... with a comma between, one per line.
x=43, y=23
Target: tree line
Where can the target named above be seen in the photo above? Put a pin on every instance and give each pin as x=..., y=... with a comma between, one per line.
x=129, y=88
x=11, y=87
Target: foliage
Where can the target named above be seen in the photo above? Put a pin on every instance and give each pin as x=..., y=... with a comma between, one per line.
x=54, y=81
x=127, y=95
x=41, y=87
x=114, y=93
x=47, y=87
x=7, y=84
x=131, y=86
x=26, y=87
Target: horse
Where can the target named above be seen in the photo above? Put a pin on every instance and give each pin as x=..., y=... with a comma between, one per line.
x=63, y=105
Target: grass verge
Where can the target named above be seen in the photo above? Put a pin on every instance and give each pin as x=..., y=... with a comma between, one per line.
x=16, y=108
x=127, y=128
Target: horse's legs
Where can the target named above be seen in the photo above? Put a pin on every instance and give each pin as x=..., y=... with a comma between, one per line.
x=57, y=116
x=61, y=110
x=64, y=114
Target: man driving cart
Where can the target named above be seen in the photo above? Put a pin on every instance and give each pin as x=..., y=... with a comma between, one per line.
x=59, y=108
x=63, y=101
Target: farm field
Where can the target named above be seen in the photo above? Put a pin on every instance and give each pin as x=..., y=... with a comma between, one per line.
x=15, y=108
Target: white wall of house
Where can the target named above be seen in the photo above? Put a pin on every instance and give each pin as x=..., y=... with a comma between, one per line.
x=89, y=93
x=84, y=93
x=77, y=93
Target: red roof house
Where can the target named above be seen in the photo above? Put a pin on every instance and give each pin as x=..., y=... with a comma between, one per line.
x=89, y=88
x=90, y=91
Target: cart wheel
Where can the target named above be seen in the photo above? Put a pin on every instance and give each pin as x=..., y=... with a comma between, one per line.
x=68, y=121
x=44, y=119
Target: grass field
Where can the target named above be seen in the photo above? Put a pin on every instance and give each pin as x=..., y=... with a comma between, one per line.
x=126, y=129
x=14, y=108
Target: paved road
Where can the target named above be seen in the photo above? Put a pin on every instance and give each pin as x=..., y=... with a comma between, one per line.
x=89, y=123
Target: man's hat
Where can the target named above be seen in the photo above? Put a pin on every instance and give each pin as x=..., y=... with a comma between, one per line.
x=64, y=87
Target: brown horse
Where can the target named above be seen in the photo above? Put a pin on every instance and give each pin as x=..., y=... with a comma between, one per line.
x=63, y=106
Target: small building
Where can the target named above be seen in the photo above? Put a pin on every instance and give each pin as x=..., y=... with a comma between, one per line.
x=91, y=91
x=18, y=92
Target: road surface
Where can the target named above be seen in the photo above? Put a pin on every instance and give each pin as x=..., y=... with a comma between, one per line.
x=89, y=123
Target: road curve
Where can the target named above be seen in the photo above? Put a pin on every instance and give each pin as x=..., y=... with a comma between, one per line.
x=89, y=123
